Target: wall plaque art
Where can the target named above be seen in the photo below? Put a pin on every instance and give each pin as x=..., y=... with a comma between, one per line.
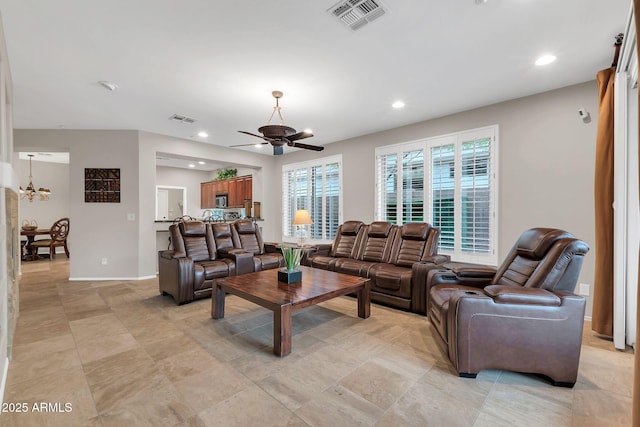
x=101, y=185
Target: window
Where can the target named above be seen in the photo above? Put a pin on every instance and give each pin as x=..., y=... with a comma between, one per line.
x=400, y=183
x=316, y=186
x=449, y=182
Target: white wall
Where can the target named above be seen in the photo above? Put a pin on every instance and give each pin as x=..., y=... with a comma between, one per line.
x=546, y=162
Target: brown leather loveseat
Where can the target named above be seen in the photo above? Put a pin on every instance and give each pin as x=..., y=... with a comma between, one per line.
x=395, y=258
x=521, y=317
x=202, y=252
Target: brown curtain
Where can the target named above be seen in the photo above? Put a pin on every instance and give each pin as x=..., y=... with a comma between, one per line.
x=602, y=315
x=636, y=369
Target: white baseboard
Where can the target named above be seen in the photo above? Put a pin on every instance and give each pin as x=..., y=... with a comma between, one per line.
x=5, y=372
x=100, y=279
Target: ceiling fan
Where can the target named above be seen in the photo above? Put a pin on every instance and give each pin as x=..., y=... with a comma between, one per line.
x=280, y=135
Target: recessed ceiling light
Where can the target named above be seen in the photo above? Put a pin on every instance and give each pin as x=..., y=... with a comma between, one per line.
x=545, y=60
x=481, y=1
x=203, y=134
x=191, y=165
x=202, y=163
x=307, y=130
x=258, y=145
x=398, y=104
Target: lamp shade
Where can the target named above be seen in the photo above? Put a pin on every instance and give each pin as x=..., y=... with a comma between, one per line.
x=302, y=217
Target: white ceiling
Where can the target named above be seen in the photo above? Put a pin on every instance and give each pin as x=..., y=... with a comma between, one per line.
x=218, y=61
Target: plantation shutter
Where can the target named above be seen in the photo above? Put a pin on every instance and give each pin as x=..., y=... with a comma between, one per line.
x=476, y=193
x=316, y=187
x=413, y=186
x=442, y=193
x=387, y=188
x=448, y=181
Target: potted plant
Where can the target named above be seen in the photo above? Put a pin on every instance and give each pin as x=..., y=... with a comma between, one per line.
x=227, y=173
x=292, y=257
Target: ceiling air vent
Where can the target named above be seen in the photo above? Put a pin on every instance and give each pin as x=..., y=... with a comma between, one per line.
x=357, y=13
x=182, y=119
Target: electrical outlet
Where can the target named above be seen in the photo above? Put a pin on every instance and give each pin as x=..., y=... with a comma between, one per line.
x=585, y=289
x=105, y=261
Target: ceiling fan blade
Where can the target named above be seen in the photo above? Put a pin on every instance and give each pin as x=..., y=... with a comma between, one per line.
x=300, y=135
x=247, y=145
x=306, y=146
x=257, y=136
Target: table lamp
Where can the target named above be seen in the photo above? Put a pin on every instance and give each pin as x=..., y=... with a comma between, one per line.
x=301, y=219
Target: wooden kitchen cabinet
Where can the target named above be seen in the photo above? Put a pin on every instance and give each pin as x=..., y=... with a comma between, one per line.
x=207, y=195
x=237, y=190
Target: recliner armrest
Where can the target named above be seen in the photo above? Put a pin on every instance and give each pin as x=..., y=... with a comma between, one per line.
x=322, y=249
x=474, y=271
x=169, y=254
x=439, y=277
x=437, y=259
x=502, y=294
x=242, y=259
x=270, y=247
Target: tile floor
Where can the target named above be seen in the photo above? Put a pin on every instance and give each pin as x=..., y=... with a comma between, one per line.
x=122, y=355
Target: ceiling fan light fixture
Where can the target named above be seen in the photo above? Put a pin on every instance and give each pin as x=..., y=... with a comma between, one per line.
x=280, y=135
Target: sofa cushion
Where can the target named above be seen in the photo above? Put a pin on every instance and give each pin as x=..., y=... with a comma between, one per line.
x=214, y=269
x=245, y=227
x=192, y=228
x=351, y=228
x=223, y=236
x=535, y=243
x=391, y=279
x=415, y=231
x=270, y=260
x=379, y=229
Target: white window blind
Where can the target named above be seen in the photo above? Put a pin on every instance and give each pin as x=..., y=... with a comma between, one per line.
x=400, y=183
x=448, y=181
x=317, y=187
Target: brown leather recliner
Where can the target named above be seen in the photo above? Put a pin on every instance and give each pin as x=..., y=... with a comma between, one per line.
x=344, y=245
x=265, y=255
x=187, y=271
x=521, y=317
x=401, y=282
x=375, y=247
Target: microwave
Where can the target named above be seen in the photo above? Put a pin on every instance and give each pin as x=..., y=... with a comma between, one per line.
x=221, y=201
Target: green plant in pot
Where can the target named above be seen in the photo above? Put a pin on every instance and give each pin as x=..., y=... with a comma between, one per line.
x=227, y=173
x=292, y=257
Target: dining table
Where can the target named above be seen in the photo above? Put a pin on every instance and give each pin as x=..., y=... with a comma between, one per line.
x=31, y=236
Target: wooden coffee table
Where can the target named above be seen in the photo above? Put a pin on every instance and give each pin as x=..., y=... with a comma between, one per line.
x=263, y=288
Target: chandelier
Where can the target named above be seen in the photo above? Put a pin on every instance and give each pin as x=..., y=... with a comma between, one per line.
x=30, y=192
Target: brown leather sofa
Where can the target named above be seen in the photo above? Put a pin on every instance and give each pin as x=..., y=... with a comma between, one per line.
x=521, y=317
x=395, y=258
x=202, y=252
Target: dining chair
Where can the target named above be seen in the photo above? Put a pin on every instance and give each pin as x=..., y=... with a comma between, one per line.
x=59, y=232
